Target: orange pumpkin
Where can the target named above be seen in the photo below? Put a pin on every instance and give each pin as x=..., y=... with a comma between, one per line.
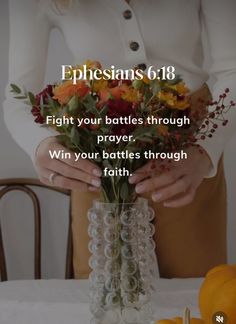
x=218, y=293
x=178, y=320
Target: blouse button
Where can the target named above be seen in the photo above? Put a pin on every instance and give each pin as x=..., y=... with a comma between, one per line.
x=134, y=46
x=127, y=14
x=142, y=66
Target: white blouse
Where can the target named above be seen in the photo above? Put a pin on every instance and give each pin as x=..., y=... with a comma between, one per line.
x=164, y=32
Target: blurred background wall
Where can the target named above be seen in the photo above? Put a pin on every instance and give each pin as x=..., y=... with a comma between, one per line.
x=16, y=210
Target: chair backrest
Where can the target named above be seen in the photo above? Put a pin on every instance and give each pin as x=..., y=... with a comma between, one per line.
x=27, y=186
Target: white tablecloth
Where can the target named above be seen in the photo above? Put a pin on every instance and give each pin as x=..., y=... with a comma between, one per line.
x=67, y=302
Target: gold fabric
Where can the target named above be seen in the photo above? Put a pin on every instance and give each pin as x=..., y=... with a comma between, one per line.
x=190, y=240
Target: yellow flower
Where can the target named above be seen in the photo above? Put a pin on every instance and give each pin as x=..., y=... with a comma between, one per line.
x=130, y=94
x=93, y=65
x=146, y=79
x=173, y=101
x=179, y=87
x=168, y=97
x=99, y=85
x=182, y=104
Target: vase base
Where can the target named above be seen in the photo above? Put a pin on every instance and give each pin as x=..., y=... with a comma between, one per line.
x=126, y=316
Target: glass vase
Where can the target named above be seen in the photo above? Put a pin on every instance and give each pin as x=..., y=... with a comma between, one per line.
x=123, y=262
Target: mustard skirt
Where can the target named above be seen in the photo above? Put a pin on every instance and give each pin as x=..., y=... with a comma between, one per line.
x=190, y=240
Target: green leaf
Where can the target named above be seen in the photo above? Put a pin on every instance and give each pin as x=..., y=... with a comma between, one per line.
x=142, y=131
x=103, y=111
x=124, y=191
x=176, y=80
x=61, y=112
x=20, y=97
x=90, y=104
x=155, y=87
x=15, y=88
x=75, y=138
x=107, y=164
x=51, y=102
x=62, y=138
x=73, y=105
x=146, y=140
x=137, y=84
x=31, y=98
x=104, y=129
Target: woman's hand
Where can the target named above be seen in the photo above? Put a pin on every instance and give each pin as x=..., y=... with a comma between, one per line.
x=81, y=175
x=176, y=186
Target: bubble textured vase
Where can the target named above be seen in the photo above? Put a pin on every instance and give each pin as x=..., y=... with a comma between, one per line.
x=123, y=262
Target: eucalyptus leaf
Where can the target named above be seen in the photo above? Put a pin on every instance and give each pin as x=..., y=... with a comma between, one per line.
x=90, y=105
x=155, y=87
x=176, y=80
x=73, y=105
x=75, y=138
x=31, y=98
x=15, y=88
x=103, y=111
x=51, y=102
x=20, y=97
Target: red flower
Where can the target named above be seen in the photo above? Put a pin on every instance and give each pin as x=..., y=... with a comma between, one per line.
x=41, y=97
x=120, y=108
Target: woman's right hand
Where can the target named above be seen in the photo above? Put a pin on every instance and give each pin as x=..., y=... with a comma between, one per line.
x=81, y=175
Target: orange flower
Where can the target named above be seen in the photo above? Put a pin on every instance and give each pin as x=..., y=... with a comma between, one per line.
x=108, y=93
x=120, y=92
x=90, y=65
x=65, y=91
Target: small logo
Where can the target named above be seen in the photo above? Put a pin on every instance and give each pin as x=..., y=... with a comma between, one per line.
x=219, y=318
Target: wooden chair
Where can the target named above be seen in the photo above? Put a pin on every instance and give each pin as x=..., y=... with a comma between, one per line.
x=26, y=186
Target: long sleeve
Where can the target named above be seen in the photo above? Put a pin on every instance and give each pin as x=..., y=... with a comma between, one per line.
x=29, y=35
x=220, y=28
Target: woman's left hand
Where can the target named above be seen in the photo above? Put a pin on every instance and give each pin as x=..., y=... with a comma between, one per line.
x=176, y=186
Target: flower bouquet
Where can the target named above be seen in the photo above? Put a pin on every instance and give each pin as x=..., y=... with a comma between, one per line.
x=116, y=123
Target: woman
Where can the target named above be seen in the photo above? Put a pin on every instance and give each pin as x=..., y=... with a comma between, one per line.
x=189, y=200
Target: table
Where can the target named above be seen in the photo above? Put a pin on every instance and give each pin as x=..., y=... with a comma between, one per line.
x=67, y=302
